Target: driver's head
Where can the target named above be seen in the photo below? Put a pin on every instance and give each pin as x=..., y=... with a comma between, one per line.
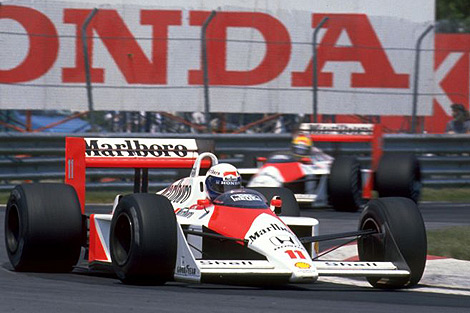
x=301, y=145
x=221, y=178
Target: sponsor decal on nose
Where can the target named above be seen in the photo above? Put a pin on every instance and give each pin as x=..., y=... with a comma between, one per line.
x=302, y=265
x=281, y=240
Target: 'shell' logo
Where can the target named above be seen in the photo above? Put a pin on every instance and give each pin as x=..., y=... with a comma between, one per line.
x=302, y=265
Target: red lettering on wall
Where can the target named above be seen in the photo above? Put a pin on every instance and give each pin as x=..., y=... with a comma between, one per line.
x=122, y=45
x=452, y=78
x=77, y=73
x=43, y=44
x=366, y=49
x=276, y=58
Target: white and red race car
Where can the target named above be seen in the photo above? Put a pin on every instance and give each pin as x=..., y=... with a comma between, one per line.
x=320, y=180
x=180, y=234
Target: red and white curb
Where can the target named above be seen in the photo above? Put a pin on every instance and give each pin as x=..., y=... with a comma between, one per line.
x=441, y=275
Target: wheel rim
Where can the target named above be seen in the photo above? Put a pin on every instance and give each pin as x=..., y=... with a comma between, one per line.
x=122, y=239
x=12, y=231
x=373, y=245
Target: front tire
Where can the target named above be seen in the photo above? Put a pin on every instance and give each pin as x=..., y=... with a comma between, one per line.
x=143, y=239
x=43, y=228
x=400, y=238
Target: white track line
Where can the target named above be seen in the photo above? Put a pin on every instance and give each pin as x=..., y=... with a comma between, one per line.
x=446, y=276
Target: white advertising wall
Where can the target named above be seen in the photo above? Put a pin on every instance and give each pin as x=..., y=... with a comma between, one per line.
x=146, y=55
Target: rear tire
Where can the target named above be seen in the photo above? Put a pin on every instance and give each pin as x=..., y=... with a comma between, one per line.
x=143, y=240
x=398, y=175
x=289, y=207
x=345, y=185
x=396, y=220
x=43, y=228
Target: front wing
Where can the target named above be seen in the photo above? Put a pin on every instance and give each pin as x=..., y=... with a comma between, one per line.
x=190, y=269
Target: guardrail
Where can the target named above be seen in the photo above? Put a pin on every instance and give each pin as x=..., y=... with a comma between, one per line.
x=445, y=159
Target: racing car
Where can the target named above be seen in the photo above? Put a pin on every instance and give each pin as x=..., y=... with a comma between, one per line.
x=201, y=228
x=318, y=179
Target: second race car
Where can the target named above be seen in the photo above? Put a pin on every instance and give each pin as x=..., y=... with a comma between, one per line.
x=318, y=179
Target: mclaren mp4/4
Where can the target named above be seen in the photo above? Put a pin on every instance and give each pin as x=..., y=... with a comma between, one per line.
x=318, y=179
x=243, y=236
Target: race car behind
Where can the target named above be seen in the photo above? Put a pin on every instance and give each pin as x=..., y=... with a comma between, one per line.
x=318, y=179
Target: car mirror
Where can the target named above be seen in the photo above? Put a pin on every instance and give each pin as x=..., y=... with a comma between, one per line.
x=276, y=204
x=203, y=203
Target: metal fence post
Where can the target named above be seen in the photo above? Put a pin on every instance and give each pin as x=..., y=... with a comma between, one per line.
x=314, y=65
x=87, y=66
x=205, y=69
x=416, y=77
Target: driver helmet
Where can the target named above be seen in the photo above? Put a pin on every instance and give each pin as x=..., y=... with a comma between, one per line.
x=221, y=178
x=301, y=145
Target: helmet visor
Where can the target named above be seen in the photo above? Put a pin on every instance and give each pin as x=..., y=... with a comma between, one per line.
x=301, y=149
x=220, y=185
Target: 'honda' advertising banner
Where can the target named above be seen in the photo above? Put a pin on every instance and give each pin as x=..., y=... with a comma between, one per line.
x=146, y=55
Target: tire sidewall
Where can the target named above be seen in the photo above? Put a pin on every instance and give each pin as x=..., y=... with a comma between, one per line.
x=398, y=218
x=50, y=227
x=372, y=248
x=141, y=265
x=345, y=184
x=398, y=175
x=124, y=268
x=17, y=199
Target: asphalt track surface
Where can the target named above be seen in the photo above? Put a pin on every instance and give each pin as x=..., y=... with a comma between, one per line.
x=82, y=291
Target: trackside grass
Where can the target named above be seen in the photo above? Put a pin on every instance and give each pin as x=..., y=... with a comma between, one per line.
x=452, y=242
x=454, y=195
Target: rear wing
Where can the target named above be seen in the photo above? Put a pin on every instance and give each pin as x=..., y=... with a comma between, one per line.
x=138, y=153
x=328, y=132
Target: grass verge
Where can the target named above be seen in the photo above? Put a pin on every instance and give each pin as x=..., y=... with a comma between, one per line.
x=454, y=195
x=452, y=242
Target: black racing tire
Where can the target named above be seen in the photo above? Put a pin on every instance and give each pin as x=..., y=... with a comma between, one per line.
x=398, y=175
x=43, y=228
x=289, y=207
x=143, y=239
x=397, y=220
x=345, y=185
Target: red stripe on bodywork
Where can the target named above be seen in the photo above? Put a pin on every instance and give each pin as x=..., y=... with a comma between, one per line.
x=96, y=251
x=234, y=222
x=290, y=171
